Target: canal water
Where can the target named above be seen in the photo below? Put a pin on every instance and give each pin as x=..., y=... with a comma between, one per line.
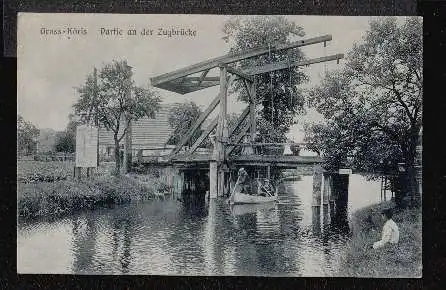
x=195, y=237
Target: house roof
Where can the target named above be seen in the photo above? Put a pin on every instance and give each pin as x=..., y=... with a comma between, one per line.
x=146, y=132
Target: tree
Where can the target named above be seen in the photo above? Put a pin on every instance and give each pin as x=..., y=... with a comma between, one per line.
x=66, y=140
x=278, y=91
x=27, y=135
x=113, y=101
x=373, y=106
x=181, y=119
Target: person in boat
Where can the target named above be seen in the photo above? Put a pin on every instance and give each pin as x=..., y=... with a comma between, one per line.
x=266, y=188
x=243, y=180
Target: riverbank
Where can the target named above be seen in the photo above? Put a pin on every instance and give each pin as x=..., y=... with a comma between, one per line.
x=48, y=189
x=68, y=196
x=402, y=260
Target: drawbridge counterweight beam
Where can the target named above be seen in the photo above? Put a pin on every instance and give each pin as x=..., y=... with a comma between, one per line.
x=231, y=58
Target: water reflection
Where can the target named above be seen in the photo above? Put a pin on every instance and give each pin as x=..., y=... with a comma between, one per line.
x=195, y=236
x=84, y=242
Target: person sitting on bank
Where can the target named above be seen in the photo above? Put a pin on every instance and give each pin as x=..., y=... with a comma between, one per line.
x=390, y=233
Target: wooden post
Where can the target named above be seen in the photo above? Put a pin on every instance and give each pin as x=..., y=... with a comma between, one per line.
x=222, y=130
x=316, y=203
x=268, y=172
x=213, y=179
x=78, y=172
x=331, y=196
x=230, y=182
x=317, y=185
x=325, y=197
x=252, y=110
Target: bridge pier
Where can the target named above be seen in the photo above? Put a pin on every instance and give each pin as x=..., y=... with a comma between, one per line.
x=317, y=194
x=330, y=198
x=340, y=184
x=326, y=192
x=178, y=182
x=213, y=180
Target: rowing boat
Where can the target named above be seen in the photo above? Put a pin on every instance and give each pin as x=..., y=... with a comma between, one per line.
x=242, y=198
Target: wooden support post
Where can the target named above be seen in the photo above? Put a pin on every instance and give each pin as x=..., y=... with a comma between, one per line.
x=213, y=187
x=222, y=130
x=221, y=183
x=325, y=198
x=268, y=173
x=316, y=203
x=252, y=111
x=340, y=188
x=317, y=185
x=331, y=196
x=325, y=192
x=78, y=172
x=381, y=188
x=223, y=133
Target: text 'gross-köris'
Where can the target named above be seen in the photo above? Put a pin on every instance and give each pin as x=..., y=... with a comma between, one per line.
x=67, y=31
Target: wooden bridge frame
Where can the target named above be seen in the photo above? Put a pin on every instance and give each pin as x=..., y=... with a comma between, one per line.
x=180, y=81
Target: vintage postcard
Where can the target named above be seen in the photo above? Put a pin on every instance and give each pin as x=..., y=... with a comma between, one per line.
x=219, y=145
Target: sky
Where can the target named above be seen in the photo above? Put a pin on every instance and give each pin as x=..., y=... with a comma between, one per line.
x=51, y=66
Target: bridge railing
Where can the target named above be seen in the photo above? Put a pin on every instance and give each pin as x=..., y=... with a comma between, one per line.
x=277, y=148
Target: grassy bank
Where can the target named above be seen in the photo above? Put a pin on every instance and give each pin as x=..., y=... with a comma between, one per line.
x=68, y=196
x=401, y=260
x=48, y=189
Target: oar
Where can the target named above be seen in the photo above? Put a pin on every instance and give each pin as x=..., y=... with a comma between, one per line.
x=267, y=191
x=233, y=191
x=235, y=186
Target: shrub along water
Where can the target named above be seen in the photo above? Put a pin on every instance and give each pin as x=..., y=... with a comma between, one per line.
x=401, y=260
x=68, y=196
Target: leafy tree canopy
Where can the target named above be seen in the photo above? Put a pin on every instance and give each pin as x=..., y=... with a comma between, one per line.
x=373, y=106
x=181, y=119
x=66, y=140
x=27, y=135
x=278, y=91
x=113, y=100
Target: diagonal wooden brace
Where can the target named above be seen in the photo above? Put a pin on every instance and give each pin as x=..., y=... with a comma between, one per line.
x=203, y=135
x=239, y=121
x=229, y=149
x=197, y=124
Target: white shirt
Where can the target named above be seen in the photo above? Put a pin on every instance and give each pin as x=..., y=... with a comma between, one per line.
x=390, y=234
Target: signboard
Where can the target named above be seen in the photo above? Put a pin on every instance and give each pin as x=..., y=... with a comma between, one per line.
x=86, y=146
x=346, y=171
